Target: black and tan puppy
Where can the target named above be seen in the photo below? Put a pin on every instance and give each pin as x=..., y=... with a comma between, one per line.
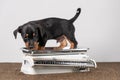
x=36, y=33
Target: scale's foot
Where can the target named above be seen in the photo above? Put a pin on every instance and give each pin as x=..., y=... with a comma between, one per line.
x=81, y=69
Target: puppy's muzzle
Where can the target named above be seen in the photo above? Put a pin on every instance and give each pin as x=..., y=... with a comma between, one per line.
x=31, y=44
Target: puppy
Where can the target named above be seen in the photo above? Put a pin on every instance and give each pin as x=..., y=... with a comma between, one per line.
x=36, y=33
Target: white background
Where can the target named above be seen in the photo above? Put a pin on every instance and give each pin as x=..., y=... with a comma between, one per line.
x=98, y=26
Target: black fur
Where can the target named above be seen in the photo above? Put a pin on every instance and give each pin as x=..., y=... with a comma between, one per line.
x=49, y=28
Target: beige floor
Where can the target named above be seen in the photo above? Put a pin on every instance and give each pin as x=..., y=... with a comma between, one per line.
x=105, y=71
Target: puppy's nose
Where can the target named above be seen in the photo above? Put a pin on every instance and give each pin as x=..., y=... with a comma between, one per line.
x=30, y=47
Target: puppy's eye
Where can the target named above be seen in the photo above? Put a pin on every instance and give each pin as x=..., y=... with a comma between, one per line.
x=26, y=35
x=33, y=34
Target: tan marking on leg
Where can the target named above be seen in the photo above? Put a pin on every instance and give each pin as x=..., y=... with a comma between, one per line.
x=71, y=44
x=41, y=48
x=63, y=43
x=35, y=46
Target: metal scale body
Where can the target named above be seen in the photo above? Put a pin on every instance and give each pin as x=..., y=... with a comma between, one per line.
x=51, y=61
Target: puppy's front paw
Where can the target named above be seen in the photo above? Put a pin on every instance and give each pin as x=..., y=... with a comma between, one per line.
x=41, y=48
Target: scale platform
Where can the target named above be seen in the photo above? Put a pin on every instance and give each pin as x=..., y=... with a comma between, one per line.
x=51, y=61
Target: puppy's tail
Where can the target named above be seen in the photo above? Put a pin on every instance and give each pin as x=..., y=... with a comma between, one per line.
x=76, y=16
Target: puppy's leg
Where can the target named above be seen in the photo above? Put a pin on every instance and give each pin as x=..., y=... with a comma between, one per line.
x=36, y=46
x=63, y=43
x=41, y=48
x=72, y=41
x=42, y=45
x=72, y=45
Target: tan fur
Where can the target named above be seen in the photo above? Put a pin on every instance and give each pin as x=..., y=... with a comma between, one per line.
x=63, y=43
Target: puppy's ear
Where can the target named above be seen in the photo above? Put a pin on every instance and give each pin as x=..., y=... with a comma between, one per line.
x=19, y=29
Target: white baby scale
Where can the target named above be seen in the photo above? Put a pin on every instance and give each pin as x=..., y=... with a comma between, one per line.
x=51, y=61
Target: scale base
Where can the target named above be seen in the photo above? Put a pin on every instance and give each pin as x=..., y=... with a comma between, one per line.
x=51, y=70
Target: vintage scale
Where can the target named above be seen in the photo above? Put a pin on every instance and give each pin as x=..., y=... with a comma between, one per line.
x=51, y=61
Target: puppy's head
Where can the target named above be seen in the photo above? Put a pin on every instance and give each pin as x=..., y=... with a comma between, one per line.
x=29, y=33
